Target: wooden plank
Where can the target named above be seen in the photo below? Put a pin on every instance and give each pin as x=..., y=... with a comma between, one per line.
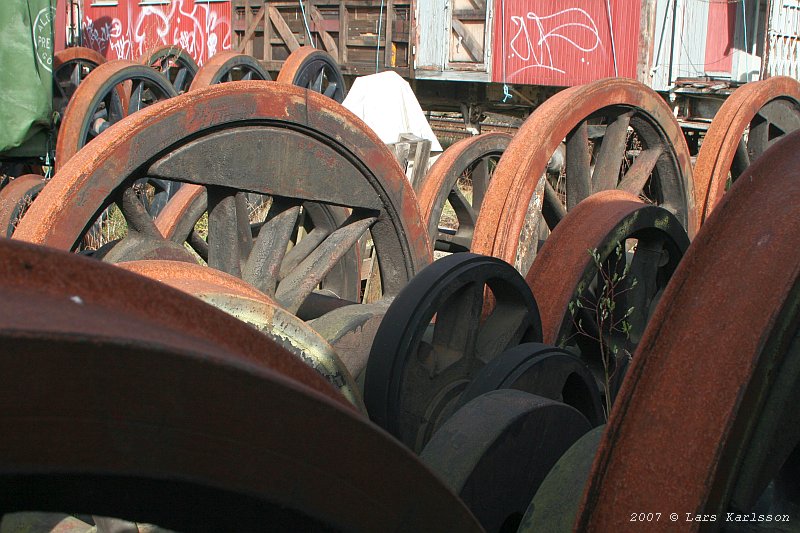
x=344, y=17
x=248, y=17
x=267, y=53
x=283, y=29
x=327, y=40
x=387, y=43
x=471, y=45
x=472, y=15
x=246, y=44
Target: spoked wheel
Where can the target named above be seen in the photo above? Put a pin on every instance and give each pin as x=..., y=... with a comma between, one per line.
x=15, y=198
x=495, y=451
x=177, y=222
x=175, y=64
x=243, y=301
x=753, y=118
x=227, y=66
x=314, y=70
x=600, y=275
x=219, y=137
x=458, y=180
x=195, y=435
x=435, y=337
x=70, y=68
x=103, y=99
x=730, y=398
x=619, y=134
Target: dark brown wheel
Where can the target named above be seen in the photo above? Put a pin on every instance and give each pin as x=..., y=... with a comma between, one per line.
x=732, y=408
x=435, y=337
x=314, y=70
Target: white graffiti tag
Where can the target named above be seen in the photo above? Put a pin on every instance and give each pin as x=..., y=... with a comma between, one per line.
x=534, y=33
x=101, y=36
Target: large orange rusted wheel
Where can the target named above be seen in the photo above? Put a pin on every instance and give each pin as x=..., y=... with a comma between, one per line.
x=706, y=418
x=168, y=411
x=174, y=63
x=619, y=134
x=70, y=67
x=315, y=70
x=474, y=158
x=766, y=111
x=219, y=137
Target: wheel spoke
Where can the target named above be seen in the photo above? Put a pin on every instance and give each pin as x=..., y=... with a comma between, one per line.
x=224, y=235
x=640, y=285
x=553, y=210
x=297, y=285
x=578, y=166
x=263, y=265
x=636, y=178
x=464, y=212
x=330, y=90
x=457, y=325
x=480, y=182
x=505, y=326
x=301, y=250
x=316, y=85
x=180, y=79
x=741, y=159
x=136, y=215
x=612, y=149
x=248, y=76
x=137, y=93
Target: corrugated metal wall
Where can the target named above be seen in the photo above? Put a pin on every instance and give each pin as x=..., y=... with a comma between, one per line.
x=128, y=29
x=687, y=21
x=564, y=43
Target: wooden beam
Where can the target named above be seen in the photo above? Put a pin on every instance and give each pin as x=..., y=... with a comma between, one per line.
x=327, y=40
x=251, y=30
x=344, y=20
x=283, y=29
x=472, y=46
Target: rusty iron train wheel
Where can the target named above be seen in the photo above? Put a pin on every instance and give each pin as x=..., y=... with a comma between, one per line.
x=109, y=93
x=70, y=67
x=599, y=276
x=315, y=70
x=624, y=118
x=175, y=64
x=418, y=367
x=766, y=110
x=199, y=137
x=183, y=428
x=15, y=198
x=475, y=158
x=730, y=398
x=227, y=66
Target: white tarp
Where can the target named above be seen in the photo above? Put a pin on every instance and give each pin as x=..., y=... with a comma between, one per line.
x=387, y=104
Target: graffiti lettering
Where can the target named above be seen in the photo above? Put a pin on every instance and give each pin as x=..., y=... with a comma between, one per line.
x=534, y=33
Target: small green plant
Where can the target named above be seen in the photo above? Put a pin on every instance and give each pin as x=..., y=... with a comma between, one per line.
x=610, y=327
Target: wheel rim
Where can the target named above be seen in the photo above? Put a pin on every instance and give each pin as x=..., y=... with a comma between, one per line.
x=314, y=70
x=730, y=409
x=227, y=66
x=70, y=67
x=769, y=109
x=510, y=222
x=472, y=156
x=170, y=140
x=175, y=64
x=16, y=197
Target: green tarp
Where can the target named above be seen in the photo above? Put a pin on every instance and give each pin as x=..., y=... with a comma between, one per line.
x=26, y=79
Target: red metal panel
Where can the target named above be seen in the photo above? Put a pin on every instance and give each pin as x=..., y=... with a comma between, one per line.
x=132, y=28
x=564, y=43
x=719, y=36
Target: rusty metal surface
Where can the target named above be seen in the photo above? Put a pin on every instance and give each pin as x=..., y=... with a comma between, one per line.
x=472, y=154
x=540, y=42
x=273, y=120
x=716, y=156
x=15, y=198
x=717, y=395
x=196, y=427
x=315, y=70
x=243, y=301
x=227, y=66
x=104, y=98
x=495, y=451
x=513, y=189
